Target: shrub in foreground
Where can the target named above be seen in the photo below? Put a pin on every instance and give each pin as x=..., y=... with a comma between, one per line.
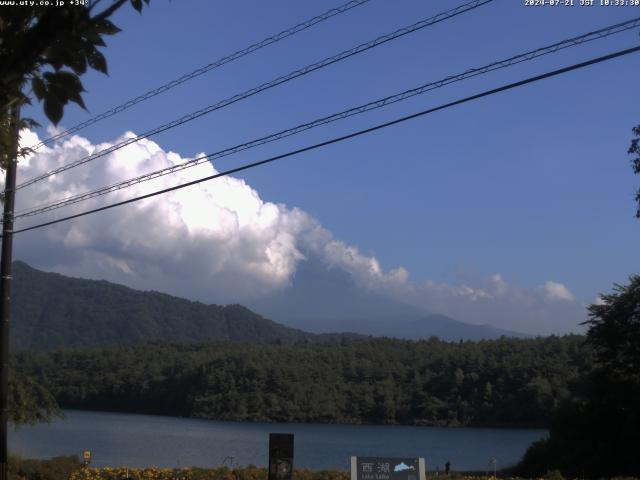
x=57, y=468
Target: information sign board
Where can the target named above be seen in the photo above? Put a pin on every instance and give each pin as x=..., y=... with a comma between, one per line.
x=387, y=468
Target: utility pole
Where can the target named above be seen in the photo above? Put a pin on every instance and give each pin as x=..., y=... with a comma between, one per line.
x=5, y=285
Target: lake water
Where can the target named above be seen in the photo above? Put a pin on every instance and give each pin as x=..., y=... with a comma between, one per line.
x=117, y=439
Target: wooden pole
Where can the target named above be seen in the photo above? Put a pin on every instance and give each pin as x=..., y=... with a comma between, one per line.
x=5, y=287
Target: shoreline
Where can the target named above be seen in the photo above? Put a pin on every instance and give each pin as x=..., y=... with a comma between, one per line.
x=475, y=426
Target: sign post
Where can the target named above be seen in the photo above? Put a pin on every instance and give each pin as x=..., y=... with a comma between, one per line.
x=387, y=468
x=280, y=456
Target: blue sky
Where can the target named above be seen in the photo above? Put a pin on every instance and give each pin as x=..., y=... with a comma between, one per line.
x=534, y=184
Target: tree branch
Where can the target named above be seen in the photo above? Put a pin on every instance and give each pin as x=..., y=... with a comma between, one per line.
x=108, y=11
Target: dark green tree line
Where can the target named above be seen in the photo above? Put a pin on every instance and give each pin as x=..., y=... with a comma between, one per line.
x=597, y=433
x=506, y=382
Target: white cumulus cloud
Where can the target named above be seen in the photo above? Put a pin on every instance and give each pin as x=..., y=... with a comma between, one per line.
x=220, y=242
x=555, y=291
x=549, y=308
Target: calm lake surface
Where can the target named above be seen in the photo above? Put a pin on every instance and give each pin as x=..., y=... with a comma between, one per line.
x=117, y=439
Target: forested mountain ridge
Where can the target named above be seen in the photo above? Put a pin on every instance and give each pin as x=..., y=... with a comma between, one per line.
x=506, y=382
x=50, y=310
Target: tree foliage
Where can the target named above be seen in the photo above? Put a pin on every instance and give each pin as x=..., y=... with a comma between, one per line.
x=598, y=433
x=56, y=468
x=615, y=332
x=43, y=52
x=508, y=382
x=29, y=402
x=634, y=149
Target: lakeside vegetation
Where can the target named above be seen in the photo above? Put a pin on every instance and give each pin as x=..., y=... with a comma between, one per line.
x=506, y=382
x=70, y=468
x=57, y=468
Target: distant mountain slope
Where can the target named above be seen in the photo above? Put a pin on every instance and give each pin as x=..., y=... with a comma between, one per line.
x=50, y=310
x=322, y=291
x=325, y=299
x=446, y=328
x=410, y=328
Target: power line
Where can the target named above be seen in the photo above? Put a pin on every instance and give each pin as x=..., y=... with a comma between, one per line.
x=527, y=56
x=358, y=133
x=207, y=68
x=265, y=86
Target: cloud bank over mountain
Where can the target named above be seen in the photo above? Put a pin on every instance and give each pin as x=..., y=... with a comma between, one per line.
x=220, y=242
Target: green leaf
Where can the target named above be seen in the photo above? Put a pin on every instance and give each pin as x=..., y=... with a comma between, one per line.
x=137, y=4
x=77, y=98
x=55, y=60
x=64, y=86
x=106, y=27
x=64, y=52
x=94, y=38
x=53, y=108
x=78, y=62
x=97, y=61
x=39, y=88
x=57, y=92
x=68, y=81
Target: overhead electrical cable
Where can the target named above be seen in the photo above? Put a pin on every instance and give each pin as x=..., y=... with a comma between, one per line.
x=358, y=133
x=207, y=68
x=265, y=86
x=530, y=55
